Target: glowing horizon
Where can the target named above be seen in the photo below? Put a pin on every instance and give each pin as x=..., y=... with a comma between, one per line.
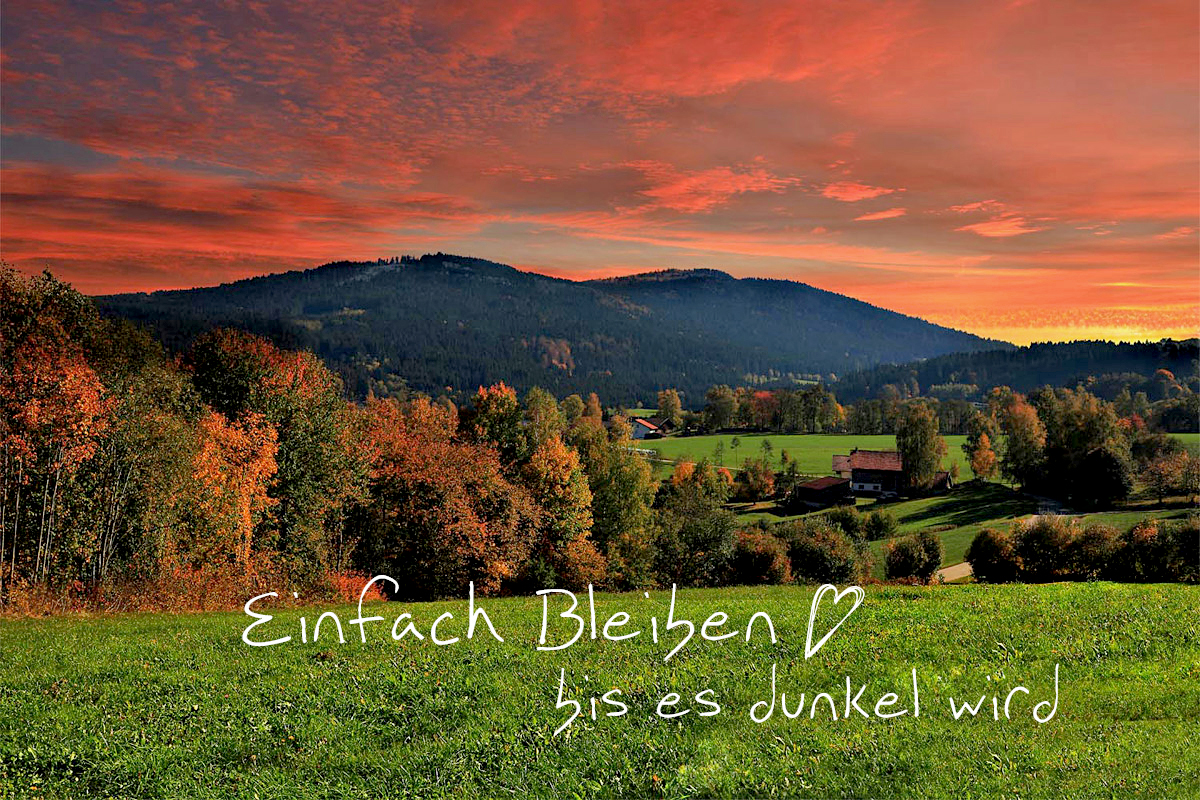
x=1027, y=171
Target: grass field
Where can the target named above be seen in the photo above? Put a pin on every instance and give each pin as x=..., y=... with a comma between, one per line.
x=177, y=706
x=957, y=517
x=814, y=452
x=1190, y=440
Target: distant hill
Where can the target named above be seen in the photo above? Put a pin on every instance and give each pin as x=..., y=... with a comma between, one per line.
x=1105, y=367
x=448, y=323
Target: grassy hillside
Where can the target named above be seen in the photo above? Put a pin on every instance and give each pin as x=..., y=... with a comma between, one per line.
x=177, y=706
x=814, y=452
x=960, y=515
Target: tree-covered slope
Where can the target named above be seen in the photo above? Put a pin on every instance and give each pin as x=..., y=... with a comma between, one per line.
x=1104, y=367
x=448, y=322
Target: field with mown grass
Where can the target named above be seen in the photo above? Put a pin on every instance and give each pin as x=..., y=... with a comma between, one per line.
x=814, y=451
x=176, y=706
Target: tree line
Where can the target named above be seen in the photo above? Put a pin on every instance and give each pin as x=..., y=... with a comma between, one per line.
x=1105, y=368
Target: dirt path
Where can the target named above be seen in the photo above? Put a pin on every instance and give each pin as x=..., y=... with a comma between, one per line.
x=954, y=572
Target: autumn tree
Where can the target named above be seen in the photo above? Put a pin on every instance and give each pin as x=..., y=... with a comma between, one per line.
x=980, y=425
x=495, y=418
x=622, y=493
x=593, y=414
x=1087, y=452
x=669, y=406
x=320, y=473
x=441, y=512
x=572, y=409
x=562, y=553
x=983, y=460
x=756, y=481
x=233, y=472
x=133, y=486
x=543, y=420
x=1024, y=453
x=720, y=409
x=921, y=448
x=1166, y=474
x=53, y=408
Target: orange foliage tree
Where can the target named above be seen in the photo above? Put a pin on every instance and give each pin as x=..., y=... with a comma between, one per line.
x=52, y=409
x=983, y=460
x=232, y=472
x=320, y=471
x=441, y=512
x=563, y=554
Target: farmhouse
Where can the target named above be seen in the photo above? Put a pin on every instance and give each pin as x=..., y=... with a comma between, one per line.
x=644, y=429
x=822, y=493
x=872, y=472
x=663, y=424
x=880, y=473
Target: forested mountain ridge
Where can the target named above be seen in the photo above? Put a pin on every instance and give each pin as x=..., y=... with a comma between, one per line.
x=444, y=323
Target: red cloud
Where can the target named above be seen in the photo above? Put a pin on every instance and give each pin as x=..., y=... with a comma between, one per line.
x=704, y=190
x=890, y=213
x=851, y=192
x=1002, y=227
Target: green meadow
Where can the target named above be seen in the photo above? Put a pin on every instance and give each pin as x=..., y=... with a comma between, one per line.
x=177, y=706
x=812, y=451
x=958, y=516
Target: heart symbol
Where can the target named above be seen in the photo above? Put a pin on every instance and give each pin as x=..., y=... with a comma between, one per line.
x=859, y=596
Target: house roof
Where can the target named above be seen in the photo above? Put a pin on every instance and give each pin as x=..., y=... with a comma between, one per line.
x=645, y=423
x=841, y=463
x=821, y=484
x=878, y=460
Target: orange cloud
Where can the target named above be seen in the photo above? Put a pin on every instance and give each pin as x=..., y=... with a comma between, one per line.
x=851, y=192
x=890, y=213
x=1002, y=227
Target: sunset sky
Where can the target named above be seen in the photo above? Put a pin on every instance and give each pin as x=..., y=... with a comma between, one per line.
x=1024, y=170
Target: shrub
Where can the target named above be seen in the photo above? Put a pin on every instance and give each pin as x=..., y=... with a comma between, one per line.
x=879, y=525
x=910, y=557
x=1092, y=552
x=580, y=563
x=993, y=557
x=821, y=553
x=1140, y=557
x=1042, y=548
x=694, y=550
x=846, y=519
x=1160, y=551
x=1183, y=564
x=759, y=557
x=755, y=482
